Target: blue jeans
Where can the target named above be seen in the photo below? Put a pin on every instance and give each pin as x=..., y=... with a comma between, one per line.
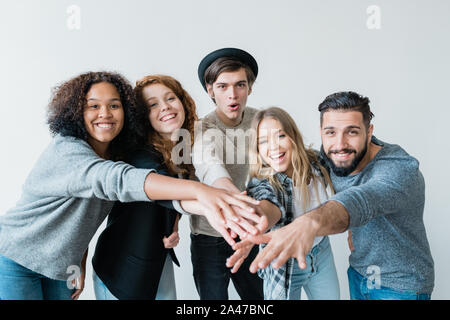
x=211, y=275
x=360, y=291
x=166, y=287
x=20, y=283
x=319, y=279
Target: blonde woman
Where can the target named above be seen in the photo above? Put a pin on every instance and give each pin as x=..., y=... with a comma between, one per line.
x=288, y=180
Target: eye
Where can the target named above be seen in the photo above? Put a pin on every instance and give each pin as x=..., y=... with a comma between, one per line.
x=262, y=141
x=329, y=132
x=353, y=132
x=115, y=106
x=93, y=106
x=282, y=135
x=151, y=105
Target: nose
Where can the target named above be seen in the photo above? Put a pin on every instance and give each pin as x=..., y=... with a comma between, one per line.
x=340, y=142
x=232, y=92
x=165, y=106
x=274, y=143
x=104, y=112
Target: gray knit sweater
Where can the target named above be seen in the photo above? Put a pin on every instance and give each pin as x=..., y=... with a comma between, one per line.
x=386, y=203
x=65, y=198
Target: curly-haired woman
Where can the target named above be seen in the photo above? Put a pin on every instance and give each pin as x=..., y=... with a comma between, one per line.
x=73, y=186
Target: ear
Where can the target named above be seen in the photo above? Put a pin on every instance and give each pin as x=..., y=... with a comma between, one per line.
x=249, y=90
x=370, y=132
x=209, y=88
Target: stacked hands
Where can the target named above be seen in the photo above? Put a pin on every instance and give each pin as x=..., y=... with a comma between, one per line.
x=236, y=214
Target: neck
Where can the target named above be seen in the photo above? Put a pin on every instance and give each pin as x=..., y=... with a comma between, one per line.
x=229, y=122
x=101, y=149
x=372, y=150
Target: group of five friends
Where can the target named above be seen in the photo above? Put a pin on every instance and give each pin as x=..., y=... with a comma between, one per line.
x=112, y=155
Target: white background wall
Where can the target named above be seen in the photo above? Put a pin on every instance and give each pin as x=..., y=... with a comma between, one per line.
x=305, y=50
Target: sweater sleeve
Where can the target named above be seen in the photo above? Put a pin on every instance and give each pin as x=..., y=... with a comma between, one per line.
x=70, y=168
x=395, y=187
x=207, y=155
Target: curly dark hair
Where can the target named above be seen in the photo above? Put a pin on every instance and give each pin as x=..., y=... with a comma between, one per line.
x=65, y=110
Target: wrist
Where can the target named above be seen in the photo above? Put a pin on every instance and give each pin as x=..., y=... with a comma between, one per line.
x=313, y=220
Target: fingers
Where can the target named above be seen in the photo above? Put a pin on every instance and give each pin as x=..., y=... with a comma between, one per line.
x=77, y=294
x=228, y=212
x=236, y=260
x=262, y=224
x=250, y=240
x=265, y=257
x=79, y=287
x=251, y=216
x=172, y=241
x=238, y=200
x=237, y=265
x=226, y=235
x=221, y=228
x=246, y=225
x=237, y=229
x=243, y=197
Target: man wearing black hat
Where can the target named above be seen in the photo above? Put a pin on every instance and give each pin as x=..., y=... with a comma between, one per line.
x=227, y=75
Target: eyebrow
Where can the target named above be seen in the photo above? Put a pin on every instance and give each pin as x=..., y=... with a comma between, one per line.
x=164, y=94
x=240, y=81
x=265, y=130
x=95, y=99
x=349, y=127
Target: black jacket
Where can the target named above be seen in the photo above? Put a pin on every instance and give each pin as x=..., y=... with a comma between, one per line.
x=130, y=254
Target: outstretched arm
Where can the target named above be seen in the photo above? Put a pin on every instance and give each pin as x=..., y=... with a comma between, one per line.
x=159, y=187
x=296, y=239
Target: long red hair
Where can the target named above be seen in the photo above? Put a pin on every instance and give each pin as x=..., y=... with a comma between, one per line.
x=165, y=146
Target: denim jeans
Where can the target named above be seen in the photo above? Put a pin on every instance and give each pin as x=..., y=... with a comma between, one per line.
x=319, y=279
x=211, y=275
x=360, y=291
x=166, y=287
x=20, y=283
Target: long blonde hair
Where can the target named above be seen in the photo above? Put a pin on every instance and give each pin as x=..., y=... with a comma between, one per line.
x=302, y=159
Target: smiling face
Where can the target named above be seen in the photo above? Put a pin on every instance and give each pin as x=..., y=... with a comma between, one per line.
x=103, y=116
x=345, y=141
x=274, y=146
x=166, y=112
x=230, y=92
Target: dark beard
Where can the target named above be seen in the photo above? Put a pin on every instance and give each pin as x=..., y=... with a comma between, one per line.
x=343, y=171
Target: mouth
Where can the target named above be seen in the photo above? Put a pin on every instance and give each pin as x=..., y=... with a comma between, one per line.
x=104, y=125
x=168, y=117
x=278, y=157
x=233, y=107
x=342, y=155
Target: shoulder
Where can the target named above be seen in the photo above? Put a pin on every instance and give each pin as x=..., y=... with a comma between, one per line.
x=252, y=111
x=145, y=157
x=256, y=182
x=210, y=117
x=67, y=147
x=210, y=121
x=392, y=158
x=249, y=114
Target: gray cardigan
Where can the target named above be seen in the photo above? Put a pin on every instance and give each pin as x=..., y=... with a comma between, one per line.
x=65, y=198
